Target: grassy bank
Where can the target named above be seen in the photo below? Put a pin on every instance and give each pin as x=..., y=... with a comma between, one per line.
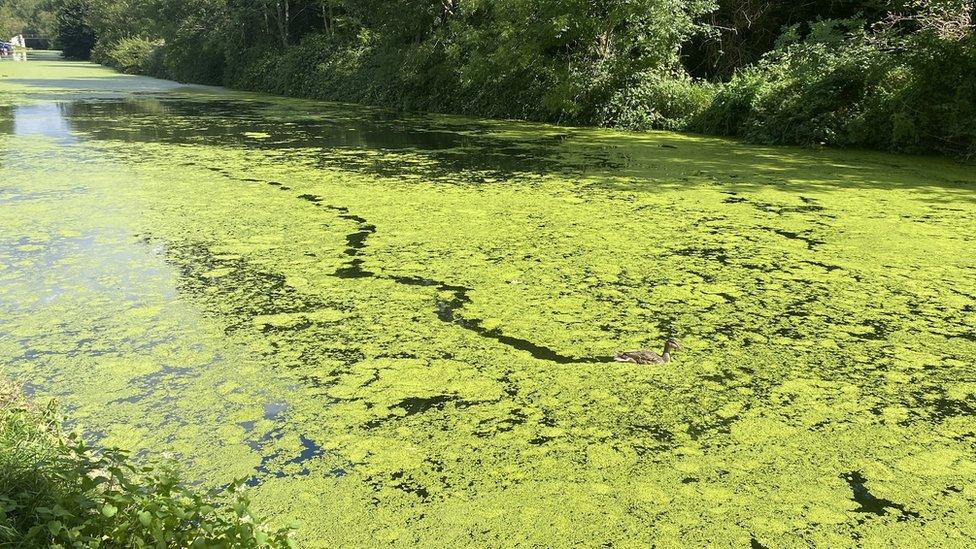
x=57, y=491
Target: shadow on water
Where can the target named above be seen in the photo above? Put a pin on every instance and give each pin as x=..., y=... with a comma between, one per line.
x=458, y=150
x=348, y=130
x=871, y=504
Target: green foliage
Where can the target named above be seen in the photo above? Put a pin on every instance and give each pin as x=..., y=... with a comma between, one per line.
x=732, y=105
x=191, y=36
x=910, y=92
x=550, y=59
x=75, y=33
x=200, y=63
x=55, y=490
x=134, y=55
x=809, y=93
x=933, y=105
x=26, y=17
x=655, y=101
x=744, y=30
x=889, y=75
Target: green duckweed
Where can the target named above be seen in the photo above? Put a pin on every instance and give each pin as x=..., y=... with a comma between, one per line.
x=395, y=327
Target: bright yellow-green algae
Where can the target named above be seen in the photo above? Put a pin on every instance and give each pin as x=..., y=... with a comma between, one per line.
x=161, y=275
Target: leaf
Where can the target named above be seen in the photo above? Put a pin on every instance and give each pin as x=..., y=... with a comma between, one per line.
x=109, y=510
x=145, y=517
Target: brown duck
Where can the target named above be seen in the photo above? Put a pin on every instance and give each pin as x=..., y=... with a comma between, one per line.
x=650, y=357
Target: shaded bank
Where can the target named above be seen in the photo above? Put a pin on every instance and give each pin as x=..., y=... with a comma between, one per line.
x=897, y=76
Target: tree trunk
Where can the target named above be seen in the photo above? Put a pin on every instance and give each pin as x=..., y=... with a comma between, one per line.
x=282, y=8
x=328, y=20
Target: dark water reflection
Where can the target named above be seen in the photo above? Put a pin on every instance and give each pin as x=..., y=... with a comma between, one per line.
x=453, y=145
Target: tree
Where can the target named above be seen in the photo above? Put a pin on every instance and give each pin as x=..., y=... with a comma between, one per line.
x=30, y=17
x=743, y=30
x=75, y=35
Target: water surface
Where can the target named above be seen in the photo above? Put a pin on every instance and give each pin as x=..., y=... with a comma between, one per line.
x=396, y=327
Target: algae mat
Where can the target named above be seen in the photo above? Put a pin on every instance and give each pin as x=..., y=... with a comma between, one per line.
x=397, y=328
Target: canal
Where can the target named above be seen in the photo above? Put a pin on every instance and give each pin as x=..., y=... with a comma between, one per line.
x=398, y=328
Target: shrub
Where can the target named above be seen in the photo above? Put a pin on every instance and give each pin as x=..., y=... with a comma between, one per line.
x=843, y=87
x=200, y=62
x=57, y=491
x=934, y=109
x=816, y=94
x=810, y=92
x=732, y=105
x=652, y=100
x=133, y=55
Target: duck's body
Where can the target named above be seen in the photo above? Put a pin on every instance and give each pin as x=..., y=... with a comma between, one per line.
x=642, y=357
x=649, y=357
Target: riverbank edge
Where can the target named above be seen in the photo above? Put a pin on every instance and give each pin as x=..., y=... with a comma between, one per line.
x=56, y=490
x=790, y=98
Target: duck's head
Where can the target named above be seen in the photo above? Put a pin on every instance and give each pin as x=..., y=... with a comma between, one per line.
x=671, y=345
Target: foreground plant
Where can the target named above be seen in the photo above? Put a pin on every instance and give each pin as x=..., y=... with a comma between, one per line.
x=57, y=491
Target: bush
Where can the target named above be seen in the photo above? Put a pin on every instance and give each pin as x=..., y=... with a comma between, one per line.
x=815, y=94
x=134, y=55
x=652, y=100
x=199, y=62
x=842, y=87
x=57, y=491
x=934, y=108
x=806, y=93
x=550, y=60
x=349, y=70
x=732, y=105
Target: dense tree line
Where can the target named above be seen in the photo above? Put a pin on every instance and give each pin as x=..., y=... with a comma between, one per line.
x=892, y=74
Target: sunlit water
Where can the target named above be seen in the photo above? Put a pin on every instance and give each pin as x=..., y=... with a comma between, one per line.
x=397, y=328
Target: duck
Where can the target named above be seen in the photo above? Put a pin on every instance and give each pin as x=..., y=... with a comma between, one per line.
x=649, y=357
